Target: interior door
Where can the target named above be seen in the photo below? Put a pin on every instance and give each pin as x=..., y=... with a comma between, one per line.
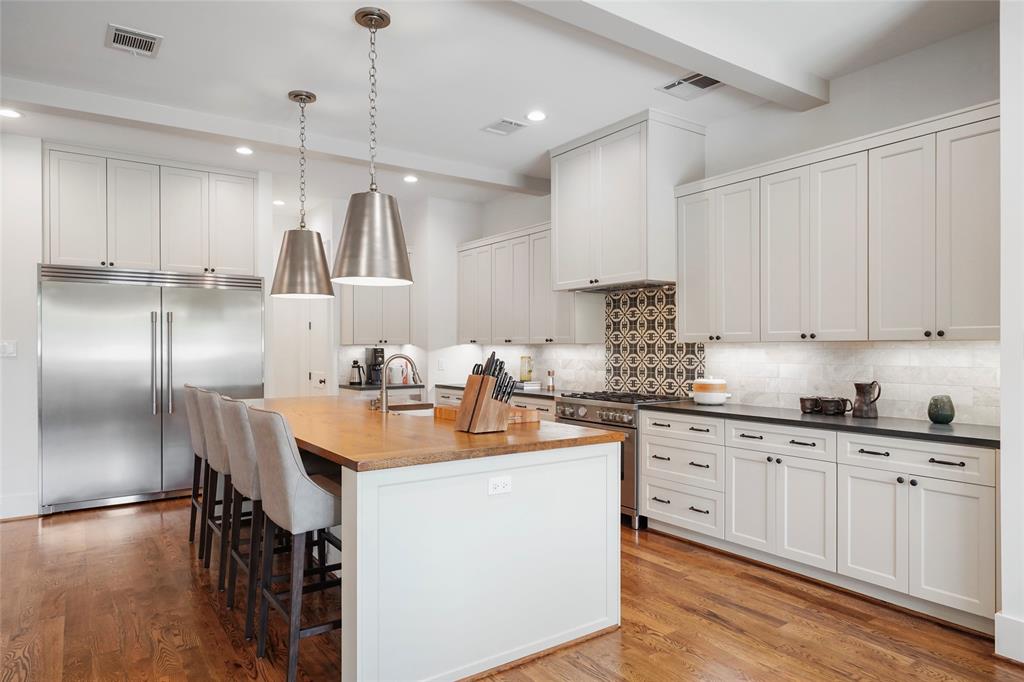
x=133, y=215
x=572, y=217
x=737, y=249
x=805, y=511
x=750, y=495
x=785, y=270
x=213, y=338
x=696, y=320
x=99, y=391
x=873, y=526
x=621, y=205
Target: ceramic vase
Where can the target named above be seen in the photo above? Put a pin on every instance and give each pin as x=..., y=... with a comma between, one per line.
x=940, y=409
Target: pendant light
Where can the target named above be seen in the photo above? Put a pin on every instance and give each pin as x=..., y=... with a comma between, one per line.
x=302, y=264
x=372, y=250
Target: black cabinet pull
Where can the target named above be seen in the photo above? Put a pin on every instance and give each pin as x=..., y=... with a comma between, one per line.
x=664, y=459
x=813, y=335
x=873, y=452
x=770, y=459
x=803, y=336
x=103, y=262
x=701, y=466
x=717, y=337
x=939, y=333
x=778, y=460
x=711, y=337
x=913, y=481
x=667, y=426
x=701, y=511
x=542, y=409
x=111, y=263
x=932, y=460
x=747, y=435
x=519, y=405
x=800, y=442
x=658, y=499
x=694, y=428
x=927, y=334
x=899, y=479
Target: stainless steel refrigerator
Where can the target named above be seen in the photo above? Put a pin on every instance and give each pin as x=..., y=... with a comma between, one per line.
x=116, y=348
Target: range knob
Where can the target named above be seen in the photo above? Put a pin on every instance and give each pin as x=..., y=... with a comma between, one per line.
x=627, y=418
x=581, y=411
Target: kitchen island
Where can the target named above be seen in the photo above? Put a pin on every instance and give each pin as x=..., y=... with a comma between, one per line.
x=464, y=552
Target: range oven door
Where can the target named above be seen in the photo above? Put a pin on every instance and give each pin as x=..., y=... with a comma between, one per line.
x=629, y=474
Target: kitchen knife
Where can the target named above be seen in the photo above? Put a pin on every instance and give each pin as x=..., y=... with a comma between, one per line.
x=489, y=365
x=499, y=370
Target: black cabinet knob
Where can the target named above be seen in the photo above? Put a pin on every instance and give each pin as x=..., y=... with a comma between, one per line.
x=103, y=262
x=717, y=337
x=913, y=481
x=803, y=336
x=938, y=333
x=778, y=460
x=711, y=337
x=928, y=333
x=813, y=335
x=206, y=269
x=770, y=459
x=111, y=264
x=213, y=269
x=899, y=479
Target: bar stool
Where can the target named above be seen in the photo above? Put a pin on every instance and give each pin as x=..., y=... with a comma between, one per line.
x=199, y=467
x=246, y=483
x=217, y=459
x=297, y=503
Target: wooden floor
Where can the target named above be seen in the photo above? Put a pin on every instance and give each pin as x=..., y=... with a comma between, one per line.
x=117, y=594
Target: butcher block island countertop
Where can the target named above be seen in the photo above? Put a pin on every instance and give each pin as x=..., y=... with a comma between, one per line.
x=348, y=433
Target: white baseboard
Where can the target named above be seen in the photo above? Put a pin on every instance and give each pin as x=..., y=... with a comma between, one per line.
x=23, y=504
x=1010, y=636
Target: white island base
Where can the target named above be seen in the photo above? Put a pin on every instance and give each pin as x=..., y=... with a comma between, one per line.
x=443, y=579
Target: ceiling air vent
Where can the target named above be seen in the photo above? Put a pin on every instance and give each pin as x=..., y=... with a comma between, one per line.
x=134, y=41
x=505, y=126
x=691, y=87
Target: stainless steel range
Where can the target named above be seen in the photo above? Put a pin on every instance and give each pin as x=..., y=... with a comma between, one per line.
x=614, y=412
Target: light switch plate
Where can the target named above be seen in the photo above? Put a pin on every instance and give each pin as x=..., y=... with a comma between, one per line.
x=441, y=365
x=8, y=349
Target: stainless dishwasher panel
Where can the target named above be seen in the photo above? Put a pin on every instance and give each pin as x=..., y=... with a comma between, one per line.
x=213, y=338
x=99, y=372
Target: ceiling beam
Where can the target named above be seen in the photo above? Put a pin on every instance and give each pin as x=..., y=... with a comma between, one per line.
x=661, y=30
x=45, y=96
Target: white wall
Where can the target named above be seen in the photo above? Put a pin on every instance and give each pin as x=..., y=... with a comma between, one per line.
x=952, y=74
x=513, y=211
x=1010, y=619
x=21, y=248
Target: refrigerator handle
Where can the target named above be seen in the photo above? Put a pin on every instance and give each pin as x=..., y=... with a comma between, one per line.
x=170, y=363
x=152, y=358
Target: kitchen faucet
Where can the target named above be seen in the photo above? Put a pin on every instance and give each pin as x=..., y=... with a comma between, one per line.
x=382, y=402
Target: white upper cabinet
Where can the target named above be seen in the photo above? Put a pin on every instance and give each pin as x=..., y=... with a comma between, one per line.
x=611, y=201
x=396, y=314
x=967, y=232
x=696, y=318
x=381, y=315
x=474, y=295
x=511, y=291
x=902, y=239
x=232, y=219
x=184, y=220
x=77, y=209
x=133, y=215
x=551, y=312
x=785, y=271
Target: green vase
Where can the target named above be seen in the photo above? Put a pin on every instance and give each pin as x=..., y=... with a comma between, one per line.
x=940, y=409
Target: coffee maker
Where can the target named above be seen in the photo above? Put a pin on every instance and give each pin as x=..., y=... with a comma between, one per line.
x=374, y=366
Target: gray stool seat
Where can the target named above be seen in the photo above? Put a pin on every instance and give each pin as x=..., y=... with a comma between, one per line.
x=217, y=457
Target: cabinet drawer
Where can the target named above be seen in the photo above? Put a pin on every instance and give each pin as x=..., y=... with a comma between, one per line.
x=925, y=458
x=781, y=440
x=698, y=464
x=683, y=427
x=447, y=396
x=545, y=407
x=686, y=506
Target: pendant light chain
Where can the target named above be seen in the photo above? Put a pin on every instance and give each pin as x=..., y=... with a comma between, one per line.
x=373, y=107
x=302, y=165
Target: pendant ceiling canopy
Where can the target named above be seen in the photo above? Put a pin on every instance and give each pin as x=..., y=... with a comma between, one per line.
x=302, y=264
x=372, y=250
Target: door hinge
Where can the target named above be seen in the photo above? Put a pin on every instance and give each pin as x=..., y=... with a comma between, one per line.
x=310, y=376
x=310, y=326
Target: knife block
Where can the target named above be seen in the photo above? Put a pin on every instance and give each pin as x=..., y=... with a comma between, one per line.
x=479, y=412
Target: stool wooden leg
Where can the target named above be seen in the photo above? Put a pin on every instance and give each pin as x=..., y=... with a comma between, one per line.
x=226, y=522
x=307, y=540
x=197, y=468
x=265, y=583
x=236, y=537
x=254, y=554
x=204, y=511
x=321, y=550
x=210, y=506
x=295, y=603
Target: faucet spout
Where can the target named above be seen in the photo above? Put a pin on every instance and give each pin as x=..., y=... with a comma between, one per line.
x=383, y=401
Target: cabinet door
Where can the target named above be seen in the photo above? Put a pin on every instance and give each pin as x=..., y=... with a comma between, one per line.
x=367, y=309
x=566, y=317
x=901, y=211
x=805, y=511
x=750, y=499
x=953, y=544
x=838, y=249
x=785, y=270
x=232, y=225
x=78, y=209
x=511, y=291
x=475, y=286
x=967, y=232
x=873, y=527
x=696, y=320
x=184, y=219
x=737, y=279
x=396, y=314
x=466, y=297
x=133, y=215
x=621, y=205
x=542, y=296
x=572, y=223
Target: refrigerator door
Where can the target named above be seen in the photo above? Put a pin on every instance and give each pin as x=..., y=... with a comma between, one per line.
x=213, y=338
x=99, y=391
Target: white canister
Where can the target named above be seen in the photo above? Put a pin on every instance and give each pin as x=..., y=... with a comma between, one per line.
x=710, y=391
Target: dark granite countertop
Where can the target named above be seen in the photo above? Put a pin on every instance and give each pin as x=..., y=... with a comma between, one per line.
x=364, y=387
x=549, y=395
x=960, y=434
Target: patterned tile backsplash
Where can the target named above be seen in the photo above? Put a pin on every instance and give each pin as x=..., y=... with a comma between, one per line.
x=641, y=353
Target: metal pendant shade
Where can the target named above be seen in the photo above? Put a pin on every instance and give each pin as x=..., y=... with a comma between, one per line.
x=302, y=270
x=373, y=250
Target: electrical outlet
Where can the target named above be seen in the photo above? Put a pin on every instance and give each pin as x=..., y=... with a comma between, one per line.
x=499, y=485
x=441, y=365
x=8, y=349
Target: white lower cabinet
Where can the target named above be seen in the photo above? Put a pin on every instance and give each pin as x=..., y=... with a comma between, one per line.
x=545, y=407
x=448, y=396
x=686, y=506
x=750, y=491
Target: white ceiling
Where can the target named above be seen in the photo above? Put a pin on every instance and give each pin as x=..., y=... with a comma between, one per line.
x=446, y=68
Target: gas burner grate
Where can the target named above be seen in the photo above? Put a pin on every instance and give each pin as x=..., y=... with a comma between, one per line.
x=621, y=397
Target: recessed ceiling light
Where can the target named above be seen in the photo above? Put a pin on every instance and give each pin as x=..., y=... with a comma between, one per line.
x=244, y=151
x=9, y=113
x=411, y=178
x=278, y=202
x=536, y=116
